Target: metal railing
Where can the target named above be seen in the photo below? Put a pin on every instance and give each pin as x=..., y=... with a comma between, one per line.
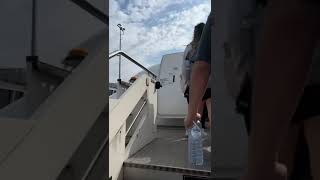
x=121, y=53
x=92, y=10
x=84, y=4
x=12, y=86
x=95, y=158
x=136, y=117
x=95, y=12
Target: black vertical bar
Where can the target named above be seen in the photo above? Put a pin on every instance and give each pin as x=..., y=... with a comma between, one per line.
x=120, y=58
x=33, y=58
x=34, y=28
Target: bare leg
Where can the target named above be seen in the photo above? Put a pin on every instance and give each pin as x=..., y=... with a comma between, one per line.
x=283, y=61
x=208, y=103
x=312, y=134
x=200, y=108
x=288, y=148
x=199, y=80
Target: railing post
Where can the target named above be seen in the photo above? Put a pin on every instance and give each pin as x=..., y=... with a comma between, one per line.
x=34, y=28
x=121, y=53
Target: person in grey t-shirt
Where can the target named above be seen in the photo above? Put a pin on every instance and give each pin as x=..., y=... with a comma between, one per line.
x=201, y=71
x=188, y=60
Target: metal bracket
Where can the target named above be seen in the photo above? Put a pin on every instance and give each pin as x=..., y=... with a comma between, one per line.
x=92, y=10
x=158, y=85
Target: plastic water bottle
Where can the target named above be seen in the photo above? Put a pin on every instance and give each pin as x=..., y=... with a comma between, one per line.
x=195, y=152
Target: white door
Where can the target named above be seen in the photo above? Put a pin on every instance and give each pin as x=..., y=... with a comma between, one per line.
x=171, y=103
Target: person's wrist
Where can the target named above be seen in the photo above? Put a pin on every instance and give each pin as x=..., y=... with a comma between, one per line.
x=191, y=115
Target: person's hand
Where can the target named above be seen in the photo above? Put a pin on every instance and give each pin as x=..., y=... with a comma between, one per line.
x=188, y=121
x=278, y=173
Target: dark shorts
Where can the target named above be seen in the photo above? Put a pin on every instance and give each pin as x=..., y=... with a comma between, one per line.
x=309, y=105
x=206, y=95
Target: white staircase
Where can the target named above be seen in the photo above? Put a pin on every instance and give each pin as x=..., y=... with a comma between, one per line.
x=41, y=144
x=132, y=123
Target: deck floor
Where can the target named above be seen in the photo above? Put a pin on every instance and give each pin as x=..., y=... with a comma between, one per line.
x=170, y=149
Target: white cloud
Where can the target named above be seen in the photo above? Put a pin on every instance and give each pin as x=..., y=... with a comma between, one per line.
x=169, y=30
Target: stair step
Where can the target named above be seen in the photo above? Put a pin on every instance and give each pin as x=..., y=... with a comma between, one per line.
x=168, y=168
x=178, y=122
x=135, y=171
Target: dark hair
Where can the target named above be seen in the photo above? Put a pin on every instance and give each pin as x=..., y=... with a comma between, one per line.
x=197, y=34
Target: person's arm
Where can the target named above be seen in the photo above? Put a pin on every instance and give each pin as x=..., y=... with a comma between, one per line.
x=199, y=79
x=200, y=73
x=284, y=58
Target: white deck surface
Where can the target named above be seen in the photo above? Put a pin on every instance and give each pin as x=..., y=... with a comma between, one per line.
x=170, y=149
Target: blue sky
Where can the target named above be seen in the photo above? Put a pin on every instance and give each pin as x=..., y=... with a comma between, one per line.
x=153, y=28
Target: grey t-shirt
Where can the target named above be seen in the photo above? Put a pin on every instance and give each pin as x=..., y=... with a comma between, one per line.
x=186, y=69
x=204, y=48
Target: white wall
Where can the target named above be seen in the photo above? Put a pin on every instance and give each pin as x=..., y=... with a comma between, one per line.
x=171, y=103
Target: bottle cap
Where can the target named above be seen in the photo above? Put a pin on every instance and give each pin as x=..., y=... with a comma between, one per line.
x=196, y=124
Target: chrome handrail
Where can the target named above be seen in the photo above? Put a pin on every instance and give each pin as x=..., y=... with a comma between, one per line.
x=121, y=53
x=95, y=159
x=136, y=117
x=91, y=9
